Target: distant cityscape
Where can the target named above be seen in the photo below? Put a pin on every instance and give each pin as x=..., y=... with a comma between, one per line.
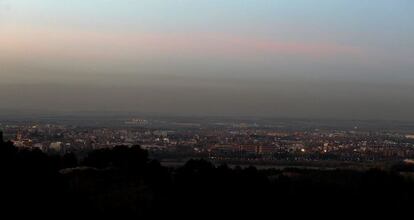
x=222, y=141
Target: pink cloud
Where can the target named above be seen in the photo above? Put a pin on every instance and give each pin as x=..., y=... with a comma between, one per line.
x=100, y=45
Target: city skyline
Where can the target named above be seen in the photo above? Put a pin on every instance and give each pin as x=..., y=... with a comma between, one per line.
x=160, y=109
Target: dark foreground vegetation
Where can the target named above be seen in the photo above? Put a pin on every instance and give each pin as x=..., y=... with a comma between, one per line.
x=123, y=182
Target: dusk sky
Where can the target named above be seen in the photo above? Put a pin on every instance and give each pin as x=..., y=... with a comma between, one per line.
x=351, y=59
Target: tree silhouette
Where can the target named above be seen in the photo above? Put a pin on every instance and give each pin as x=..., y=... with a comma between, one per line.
x=123, y=157
x=123, y=181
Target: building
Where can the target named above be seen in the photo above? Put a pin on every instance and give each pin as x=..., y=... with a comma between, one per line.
x=410, y=136
x=56, y=146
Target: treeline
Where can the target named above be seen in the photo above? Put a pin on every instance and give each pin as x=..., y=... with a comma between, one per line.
x=124, y=182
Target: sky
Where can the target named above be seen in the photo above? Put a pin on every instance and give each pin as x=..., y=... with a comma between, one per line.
x=347, y=59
